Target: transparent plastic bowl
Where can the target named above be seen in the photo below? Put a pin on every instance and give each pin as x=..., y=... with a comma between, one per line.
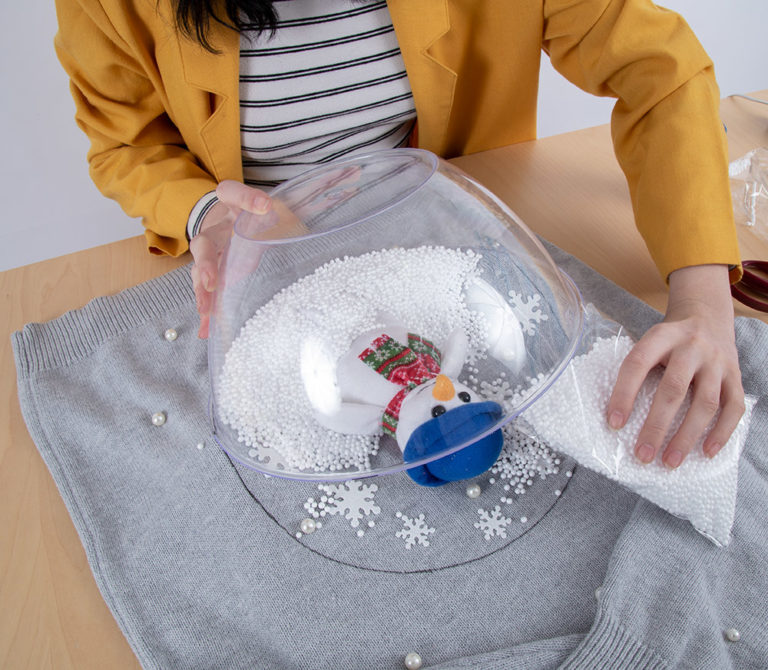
x=387, y=314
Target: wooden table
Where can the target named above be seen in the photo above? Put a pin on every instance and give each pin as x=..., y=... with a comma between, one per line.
x=570, y=190
x=567, y=188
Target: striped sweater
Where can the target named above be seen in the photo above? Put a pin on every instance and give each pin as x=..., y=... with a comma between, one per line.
x=330, y=82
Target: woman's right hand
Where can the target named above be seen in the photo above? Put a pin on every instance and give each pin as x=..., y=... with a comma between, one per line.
x=209, y=244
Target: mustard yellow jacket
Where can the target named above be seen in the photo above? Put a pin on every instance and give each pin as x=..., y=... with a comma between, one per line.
x=162, y=113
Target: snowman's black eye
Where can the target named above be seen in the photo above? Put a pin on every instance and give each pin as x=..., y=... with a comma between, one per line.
x=437, y=410
x=464, y=396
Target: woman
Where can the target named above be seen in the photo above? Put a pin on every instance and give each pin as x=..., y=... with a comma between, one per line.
x=169, y=95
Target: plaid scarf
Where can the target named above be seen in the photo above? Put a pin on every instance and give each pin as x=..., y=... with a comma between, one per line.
x=407, y=366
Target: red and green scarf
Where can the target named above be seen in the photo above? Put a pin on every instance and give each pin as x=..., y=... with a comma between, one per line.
x=407, y=366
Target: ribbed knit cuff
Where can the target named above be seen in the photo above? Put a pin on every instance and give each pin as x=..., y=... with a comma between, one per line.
x=76, y=334
x=196, y=216
x=609, y=646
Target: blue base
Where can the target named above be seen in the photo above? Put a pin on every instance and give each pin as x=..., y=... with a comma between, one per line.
x=454, y=427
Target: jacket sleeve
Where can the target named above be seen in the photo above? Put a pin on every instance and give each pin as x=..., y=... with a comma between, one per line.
x=137, y=156
x=666, y=126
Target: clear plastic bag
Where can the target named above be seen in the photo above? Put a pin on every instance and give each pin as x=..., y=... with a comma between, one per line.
x=749, y=190
x=571, y=418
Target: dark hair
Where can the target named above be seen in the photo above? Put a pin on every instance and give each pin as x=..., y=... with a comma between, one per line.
x=193, y=17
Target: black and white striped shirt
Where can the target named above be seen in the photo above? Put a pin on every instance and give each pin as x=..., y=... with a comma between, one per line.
x=329, y=83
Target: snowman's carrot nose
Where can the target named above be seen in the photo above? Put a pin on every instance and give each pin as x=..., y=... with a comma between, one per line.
x=443, y=389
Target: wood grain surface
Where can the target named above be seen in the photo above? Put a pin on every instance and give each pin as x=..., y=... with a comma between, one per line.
x=52, y=614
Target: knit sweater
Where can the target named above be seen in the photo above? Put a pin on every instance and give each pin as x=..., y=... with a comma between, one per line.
x=204, y=565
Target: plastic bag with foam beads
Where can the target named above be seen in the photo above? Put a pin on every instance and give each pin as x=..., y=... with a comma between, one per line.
x=749, y=190
x=571, y=418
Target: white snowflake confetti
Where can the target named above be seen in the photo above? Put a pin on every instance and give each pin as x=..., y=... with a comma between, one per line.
x=414, y=531
x=527, y=311
x=475, y=355
x=497, y=390
x=492, y=523
x=352, y=499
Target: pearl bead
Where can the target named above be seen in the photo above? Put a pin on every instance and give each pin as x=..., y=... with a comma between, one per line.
x=171, y=334
x=732, y=635
x=158, y=418
x=308, y=526
x=200, y=445
x=413, y=661
x=474, y=490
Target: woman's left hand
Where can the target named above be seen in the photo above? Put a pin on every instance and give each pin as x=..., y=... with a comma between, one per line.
x=209, y=244
x=695, y=343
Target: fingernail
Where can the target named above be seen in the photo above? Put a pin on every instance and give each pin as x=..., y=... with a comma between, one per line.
x=208, y=281
x=644, y=453
x=711, y=449
x=261, y=205
x=616, y=420
x=673, y=459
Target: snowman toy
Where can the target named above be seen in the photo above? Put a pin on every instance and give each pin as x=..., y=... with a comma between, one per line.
x=398, y=382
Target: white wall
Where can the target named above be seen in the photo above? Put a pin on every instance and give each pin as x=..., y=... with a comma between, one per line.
x=50, y=206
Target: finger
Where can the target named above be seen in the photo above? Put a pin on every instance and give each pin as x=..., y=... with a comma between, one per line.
x=666, y=402
x=643, y=357
x=705, y=402
x=202, y=332
x=204, y=278
x=203, y=298
x=204, y=303
x=235, y=194
x=197, y=283
x=730, y=415
x=205, y=251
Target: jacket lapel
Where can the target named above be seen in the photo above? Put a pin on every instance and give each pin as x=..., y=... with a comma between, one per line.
x=419, y=25
x=217, y=75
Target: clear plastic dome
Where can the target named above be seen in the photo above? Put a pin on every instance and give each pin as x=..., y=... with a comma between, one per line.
x=387, y=314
